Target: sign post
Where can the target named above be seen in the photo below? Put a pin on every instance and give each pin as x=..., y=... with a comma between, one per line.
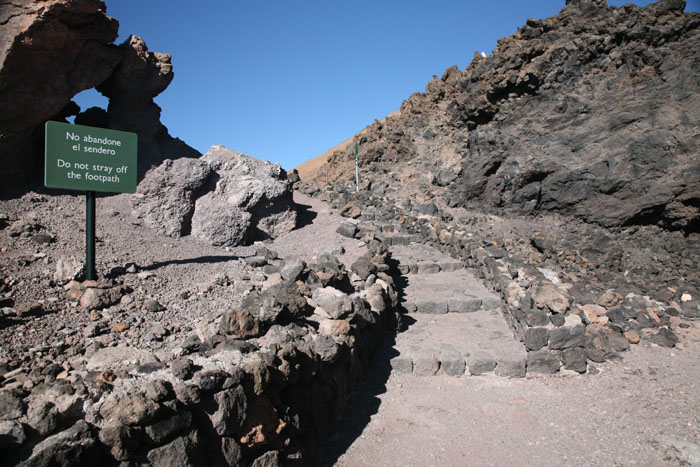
x=90, y=159
x=357, y=172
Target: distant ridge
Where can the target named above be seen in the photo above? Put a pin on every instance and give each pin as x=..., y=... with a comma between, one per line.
x=309, y=170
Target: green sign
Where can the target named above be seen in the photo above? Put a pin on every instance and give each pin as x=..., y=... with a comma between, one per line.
x=85, y=158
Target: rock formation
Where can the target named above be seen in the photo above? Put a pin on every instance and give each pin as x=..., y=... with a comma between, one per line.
x=141, y=76
x=49, y=51
x=52, y=50
x=592, y=113
x=224, y=198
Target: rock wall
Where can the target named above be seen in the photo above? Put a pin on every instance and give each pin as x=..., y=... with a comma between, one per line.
x=591, y=113
x=50, y=51
x=224, y=198
x=260, y=384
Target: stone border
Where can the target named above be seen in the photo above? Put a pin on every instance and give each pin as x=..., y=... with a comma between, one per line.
x=264, y=389
x=562, y=332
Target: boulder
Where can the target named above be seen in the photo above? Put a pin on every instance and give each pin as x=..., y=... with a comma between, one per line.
x=225, y=198
x=249, y=192
x=165, y=197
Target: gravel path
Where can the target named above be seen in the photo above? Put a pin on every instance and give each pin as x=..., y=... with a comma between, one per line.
x=644, y=410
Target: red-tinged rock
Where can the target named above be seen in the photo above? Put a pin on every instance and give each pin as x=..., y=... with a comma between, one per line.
x=632, y=337
x=121, y=326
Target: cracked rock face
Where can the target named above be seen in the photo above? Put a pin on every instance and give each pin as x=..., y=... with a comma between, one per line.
x=224, y=198
x=591, y=113
x=50, y=51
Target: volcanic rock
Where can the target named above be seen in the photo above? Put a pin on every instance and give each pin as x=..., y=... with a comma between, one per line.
x=49, y=52
x=140, y=76
x=557, y=119
x=224, y=198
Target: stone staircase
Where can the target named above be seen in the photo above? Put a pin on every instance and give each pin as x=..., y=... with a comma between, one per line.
x=452, y=323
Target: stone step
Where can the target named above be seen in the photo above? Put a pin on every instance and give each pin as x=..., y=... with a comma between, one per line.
x=399, y=238
x=430, y=267
x=450, y=305
x=454, y=324
x=443, y=292
x=478, y=343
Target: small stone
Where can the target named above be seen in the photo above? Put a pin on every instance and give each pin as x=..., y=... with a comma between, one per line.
x=435, y=307
x=536, y=338
x=326, y=348
x=426, y=365
x=29, y=309
x=347, y=229
x=610, y=299
x=401, y=364
x=336, y=303
x=542, y=362
x=480, y=363
x=567, y=337
x=97, y=299
x=686, y=297
x=632, y=337
x=121, y=326
x=12, y=434
x=452, y=363
x=153, y=306
x=334, y=327
x=130, y=410
x=43, y=239
x=549, y=297
x=107, y=376
x=575, y=359
x=665, y=338
x=182, y=368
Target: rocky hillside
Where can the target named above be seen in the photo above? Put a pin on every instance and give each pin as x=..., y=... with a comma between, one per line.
x=592, y=113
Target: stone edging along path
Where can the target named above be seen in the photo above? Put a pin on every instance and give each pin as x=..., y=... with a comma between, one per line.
x=561, y=331
x=261, y=388
x=265, y=386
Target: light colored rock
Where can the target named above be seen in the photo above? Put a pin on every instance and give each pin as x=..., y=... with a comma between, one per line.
x=548, y=296
x=334, y=302
x=251, y=192
x=114, y=358
x=166, y=195
x=334, y=327
x=67, y=269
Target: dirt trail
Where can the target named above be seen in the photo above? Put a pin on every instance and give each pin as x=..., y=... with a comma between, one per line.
x=644, y=410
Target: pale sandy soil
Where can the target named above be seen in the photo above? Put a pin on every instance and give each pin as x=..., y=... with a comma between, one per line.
x=644, y=410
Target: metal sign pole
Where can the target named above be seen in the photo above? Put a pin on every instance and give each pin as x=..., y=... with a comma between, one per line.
x=357, y=172
x=90, y=236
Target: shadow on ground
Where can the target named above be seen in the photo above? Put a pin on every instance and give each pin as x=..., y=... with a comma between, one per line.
x=197, y=260
x=305, y=216
x=365, y=402
x=361, y=406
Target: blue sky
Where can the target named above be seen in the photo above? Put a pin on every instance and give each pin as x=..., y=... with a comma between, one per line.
x=285, y=81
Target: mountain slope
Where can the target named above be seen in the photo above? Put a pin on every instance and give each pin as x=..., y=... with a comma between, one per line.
x=594, y=112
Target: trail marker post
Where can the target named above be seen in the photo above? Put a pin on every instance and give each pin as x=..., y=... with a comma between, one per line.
x=89, y=159
x=357, y=172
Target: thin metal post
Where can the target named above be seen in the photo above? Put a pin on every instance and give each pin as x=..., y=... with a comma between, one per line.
x=357, y=172
x=90, y=236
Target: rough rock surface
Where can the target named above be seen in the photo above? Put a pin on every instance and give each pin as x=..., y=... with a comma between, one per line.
x=592, y=113
x=141, y=76
x=225, y=198
x=50, y=51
